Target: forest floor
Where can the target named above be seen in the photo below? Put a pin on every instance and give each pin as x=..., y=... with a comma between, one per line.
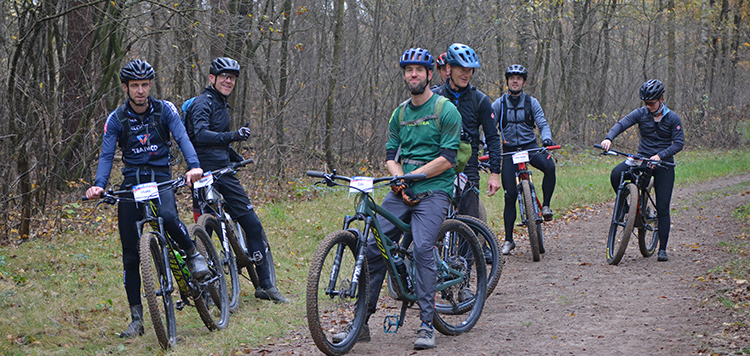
x=573, y=303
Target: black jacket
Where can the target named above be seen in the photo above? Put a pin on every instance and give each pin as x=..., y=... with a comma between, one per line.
x=475, y=110
x=664, y=138
x=207, y=124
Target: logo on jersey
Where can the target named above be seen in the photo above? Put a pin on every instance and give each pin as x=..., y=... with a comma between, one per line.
x=143, y=139
x=678, y=127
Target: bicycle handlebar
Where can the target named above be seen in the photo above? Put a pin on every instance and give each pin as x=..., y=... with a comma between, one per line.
x=112, y=194
x=636, y=156
x=329, y=178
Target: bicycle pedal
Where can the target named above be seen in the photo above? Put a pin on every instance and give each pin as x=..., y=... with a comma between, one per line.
x=390, y=324
x=179, y=304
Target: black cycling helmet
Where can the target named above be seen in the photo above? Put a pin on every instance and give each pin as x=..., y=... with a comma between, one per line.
x=440, y=60
x=651, y=90
x=224, y=64
x=418, y=56
x=516, y=69
x=462, y=55
x=136, y=70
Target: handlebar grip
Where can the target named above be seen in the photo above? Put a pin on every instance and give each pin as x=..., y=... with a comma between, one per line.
x=484, y=158
x=555, y=147
x=315, y=174
x=668, y=164
x=417, y=176
x=598, y=146
x=84, y=198
x=245, y=162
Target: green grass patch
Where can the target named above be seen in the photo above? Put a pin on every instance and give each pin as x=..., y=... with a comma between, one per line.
x=64, y=295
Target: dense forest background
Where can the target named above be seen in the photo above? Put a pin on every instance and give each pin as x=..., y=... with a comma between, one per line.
x=320, y=78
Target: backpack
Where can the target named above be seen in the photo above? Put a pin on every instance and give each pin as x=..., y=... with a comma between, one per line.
x=528, y=114
x=125, y=122
x=464, y=149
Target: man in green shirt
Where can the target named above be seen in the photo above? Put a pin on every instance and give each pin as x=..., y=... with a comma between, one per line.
x=428, y=144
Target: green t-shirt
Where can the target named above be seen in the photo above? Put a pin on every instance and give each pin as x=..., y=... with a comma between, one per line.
x=423, y=141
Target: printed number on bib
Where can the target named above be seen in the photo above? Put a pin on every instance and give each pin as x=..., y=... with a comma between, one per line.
x=207, y=180
x=363, y=183
x=521, y=157
x=145, y=192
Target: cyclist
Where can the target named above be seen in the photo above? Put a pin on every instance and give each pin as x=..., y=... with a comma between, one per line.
x=661, y=138
x=207, y=122
x=517, y=114
x=142, y=126
x=441, y=70
x=476, y=111
x=428, y=147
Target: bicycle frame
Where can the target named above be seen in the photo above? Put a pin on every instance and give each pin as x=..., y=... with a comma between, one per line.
x=524, y=173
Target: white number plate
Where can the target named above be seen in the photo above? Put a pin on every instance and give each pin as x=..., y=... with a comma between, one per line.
x=363, y=183
x=145, y=192
x=207, y=180
x=521, y=157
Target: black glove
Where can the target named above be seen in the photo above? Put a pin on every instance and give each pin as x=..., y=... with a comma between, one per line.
x=409, y=197
x=548, y=142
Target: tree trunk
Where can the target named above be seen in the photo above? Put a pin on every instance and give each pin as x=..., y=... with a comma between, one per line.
x=335, y=68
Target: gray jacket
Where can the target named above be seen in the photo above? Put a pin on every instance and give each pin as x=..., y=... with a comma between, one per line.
x=513, y=125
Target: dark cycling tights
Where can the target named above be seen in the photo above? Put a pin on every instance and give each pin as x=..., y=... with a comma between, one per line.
x=542, y=162
x=663, y=185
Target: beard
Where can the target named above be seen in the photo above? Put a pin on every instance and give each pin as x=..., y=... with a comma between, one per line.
x=417, y=89
x=515, y=92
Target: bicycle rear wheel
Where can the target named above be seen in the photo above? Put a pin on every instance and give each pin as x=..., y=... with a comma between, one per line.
x=330, y=308
x=648, y=233
x=226, y=257
x=459, y=306
x=623, y=220
x=154, y=278
x=531, y=217
x=485, y=235
x=213, y=303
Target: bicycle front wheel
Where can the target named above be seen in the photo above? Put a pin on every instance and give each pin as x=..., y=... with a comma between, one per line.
x=492, y=256
x=213, y=303
x=648, y=233
x=531, y=219
x=227, y=259
x=462, y=282
x=335, y=311
x=154, y=278
x=623, y=220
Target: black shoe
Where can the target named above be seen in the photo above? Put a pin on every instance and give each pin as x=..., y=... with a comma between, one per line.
x=662, y=256
x=270, y=294
x=508, y=246
x=197, y=265
x=364, y=334
x=465, y=295
x=135, y=328
x=487, y=254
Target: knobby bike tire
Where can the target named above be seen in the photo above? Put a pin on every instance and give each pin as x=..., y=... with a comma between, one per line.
x=485, y=235
x=482, y=212
x=228, y=260
x=234, y=233
x=623, y=221
x=648, y=231
x=531, y=217
x=213, y=302
x=458, y=308
x=246, y=262
x=154, y=277
x=330, y=314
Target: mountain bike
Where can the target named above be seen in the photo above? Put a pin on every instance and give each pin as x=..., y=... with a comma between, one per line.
x=338, y=280
x=484, y=233
x=528, y=201
x=227, y=234
x=635, y=207
x=162, y=260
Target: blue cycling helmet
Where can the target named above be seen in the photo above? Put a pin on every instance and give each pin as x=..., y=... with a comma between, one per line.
x=462, y=55
x=136, y=70
x=418, y=56
x=651, y=90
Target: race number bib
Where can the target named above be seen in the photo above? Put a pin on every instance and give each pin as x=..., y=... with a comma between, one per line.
x=207, y=180
x=521, y=157
x=145, y=192
x=362, y=183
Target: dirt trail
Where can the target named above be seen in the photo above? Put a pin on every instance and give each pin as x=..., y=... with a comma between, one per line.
x=573, y=303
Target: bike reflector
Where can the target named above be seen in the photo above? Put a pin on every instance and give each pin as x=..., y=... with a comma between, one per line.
x=207, y=180
x=145, y=192
x=521, y=157
x=358, y=184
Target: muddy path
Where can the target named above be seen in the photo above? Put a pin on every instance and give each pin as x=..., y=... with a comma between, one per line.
x=573, y=303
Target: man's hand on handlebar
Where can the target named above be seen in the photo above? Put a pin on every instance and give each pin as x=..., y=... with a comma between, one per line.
x=606, y=144
x=193, y=175
x=94, y=192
